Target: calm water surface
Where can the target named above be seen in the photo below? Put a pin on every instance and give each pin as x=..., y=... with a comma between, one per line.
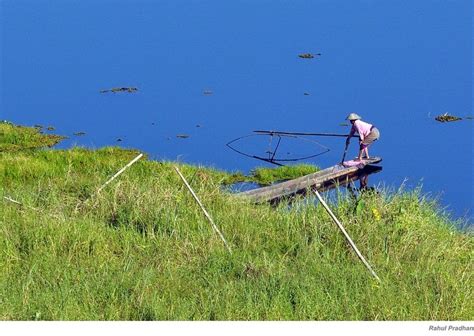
x=397, y=64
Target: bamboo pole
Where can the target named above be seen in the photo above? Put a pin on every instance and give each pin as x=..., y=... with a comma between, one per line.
x=214, y=226
x=346, y=235
x=138, y=157
x=12, y=200
x=19, y=203
x=303, y=133
x=29, y=206
x=120, y=172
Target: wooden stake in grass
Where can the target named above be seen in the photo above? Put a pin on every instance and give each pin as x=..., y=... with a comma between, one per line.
x=361, y=257
x=214, y=226
x=120, y=172
x=19, y=203
x=29, y=206
x=12, y=200
x=138, y=157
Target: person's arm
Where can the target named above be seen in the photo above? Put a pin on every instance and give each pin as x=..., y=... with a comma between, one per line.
x=351, y=134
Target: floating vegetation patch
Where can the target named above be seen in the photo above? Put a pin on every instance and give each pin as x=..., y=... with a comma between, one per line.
x=308, y=55
x=447, y=118
x=267, y=176
x=182, y=136
x=79, y=133
x=15, y=138
x=121, y=89
x=264, y=176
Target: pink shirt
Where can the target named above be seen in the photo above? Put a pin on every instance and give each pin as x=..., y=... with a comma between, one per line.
x=362, y=128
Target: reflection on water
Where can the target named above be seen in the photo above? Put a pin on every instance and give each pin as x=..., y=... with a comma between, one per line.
x=242, y=186
x=361, y=175
x=363, y=185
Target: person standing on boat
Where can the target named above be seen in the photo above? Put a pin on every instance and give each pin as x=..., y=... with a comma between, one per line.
x=368, y=133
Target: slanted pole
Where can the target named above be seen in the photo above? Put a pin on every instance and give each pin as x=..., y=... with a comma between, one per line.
x=12, y=200
x=214, y=226
x=28, y=206
x=19, y=203
x=120, y=172
x=138, y=157
x=346, y=235
x=345, y=152
x=303, y=133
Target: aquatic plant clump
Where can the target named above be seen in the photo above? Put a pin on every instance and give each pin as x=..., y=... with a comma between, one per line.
x=308, y=55
x=121, y=89
x=447, y=118
x=264, y=176
x=267, y=176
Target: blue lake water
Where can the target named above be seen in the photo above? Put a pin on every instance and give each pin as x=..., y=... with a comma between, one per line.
x=397, y=64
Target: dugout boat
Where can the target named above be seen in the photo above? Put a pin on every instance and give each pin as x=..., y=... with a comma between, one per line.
x=337, y=175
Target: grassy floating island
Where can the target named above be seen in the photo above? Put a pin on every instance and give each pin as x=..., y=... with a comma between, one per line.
x=267, y=176
x=264, y=176
x=308, y=55
x=121, y=89
x=142, y=250
x=447, y=118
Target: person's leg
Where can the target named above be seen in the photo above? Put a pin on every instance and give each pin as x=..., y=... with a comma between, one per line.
x=362, y=150
x=373, y=136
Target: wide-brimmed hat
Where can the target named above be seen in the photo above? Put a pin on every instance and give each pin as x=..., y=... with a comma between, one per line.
x=353, y=116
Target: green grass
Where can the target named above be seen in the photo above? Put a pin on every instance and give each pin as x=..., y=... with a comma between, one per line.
x=267, y=176
x=14, y=138
x=142, y=249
